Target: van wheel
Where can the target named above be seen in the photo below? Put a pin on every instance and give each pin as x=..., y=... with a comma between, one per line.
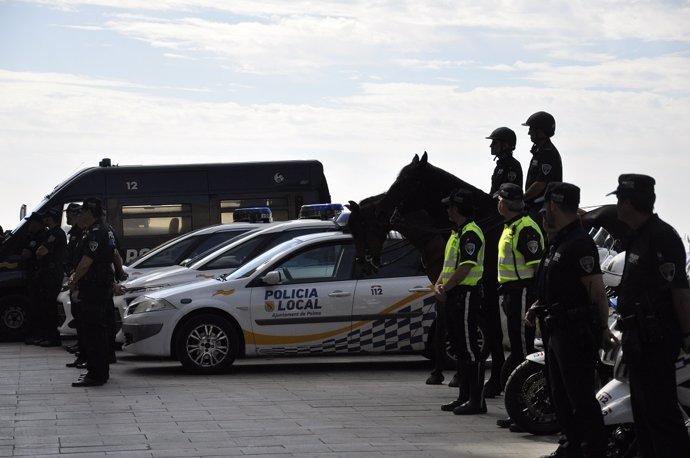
x=207, y=344
x=13, y=316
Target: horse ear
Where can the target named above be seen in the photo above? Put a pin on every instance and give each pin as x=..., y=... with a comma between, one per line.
x=425, y=158
x=415, y=159
x=352, y=206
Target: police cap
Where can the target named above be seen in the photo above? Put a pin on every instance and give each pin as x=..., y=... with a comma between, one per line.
x=73, y=208
x=93, y=205
x=566, y=194
x=505, y=135
x=54, y=213
x=35, y=216
x=629, y=183
x=542, y=120
x=509, y=191
x=461, y=198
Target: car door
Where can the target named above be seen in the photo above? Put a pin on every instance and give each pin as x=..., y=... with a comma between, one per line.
x=310, y=310
x=393, y=308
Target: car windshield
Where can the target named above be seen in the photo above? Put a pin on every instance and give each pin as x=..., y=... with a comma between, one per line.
x=259, y=261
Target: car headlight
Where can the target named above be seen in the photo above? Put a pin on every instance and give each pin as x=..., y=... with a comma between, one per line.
x=149, y=305
x=143, y=289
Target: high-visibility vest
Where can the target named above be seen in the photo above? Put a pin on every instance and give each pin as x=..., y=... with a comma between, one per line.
x=512, y=265
x=451, y=261
x=475, y=274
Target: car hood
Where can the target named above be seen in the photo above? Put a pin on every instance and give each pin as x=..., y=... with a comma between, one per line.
x=198, y=289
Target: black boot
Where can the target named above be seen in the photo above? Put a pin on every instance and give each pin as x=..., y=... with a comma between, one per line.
x=463, y=389
x=476, y=403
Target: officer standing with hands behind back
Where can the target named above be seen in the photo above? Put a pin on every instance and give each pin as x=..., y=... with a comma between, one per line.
x=570, y=286
x=92, y=281
x=654, y=305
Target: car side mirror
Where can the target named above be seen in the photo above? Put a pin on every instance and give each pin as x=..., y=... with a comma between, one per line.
x=274, y=277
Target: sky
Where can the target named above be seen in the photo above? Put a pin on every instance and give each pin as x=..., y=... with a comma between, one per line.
x=361, y=86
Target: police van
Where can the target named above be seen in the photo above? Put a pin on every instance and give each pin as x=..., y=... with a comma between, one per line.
x=148, y=205
x=302, y=297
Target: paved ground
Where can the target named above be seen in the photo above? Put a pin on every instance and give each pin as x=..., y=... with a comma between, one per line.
x=313, y=407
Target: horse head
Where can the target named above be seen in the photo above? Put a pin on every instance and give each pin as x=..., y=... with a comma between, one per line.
x=368, y=231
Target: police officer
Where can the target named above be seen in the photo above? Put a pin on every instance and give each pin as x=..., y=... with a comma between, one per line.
x=35, y=235
x=520, y=249
x=654, y=305
x=572, y=290
x=508, y=169
x=75, y=238
x=93, y=279
x=545, y=165
x=50, y=256
x=459, y=286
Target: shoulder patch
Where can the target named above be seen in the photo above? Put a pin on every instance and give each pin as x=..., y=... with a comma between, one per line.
x=667, y=271
x=546, y=169
x=93, y=246
x=512, y=176
x=469, y=248
x=533, y=246
x=587, y=263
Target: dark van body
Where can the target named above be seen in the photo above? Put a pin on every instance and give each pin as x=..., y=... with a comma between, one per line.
x=148, y=205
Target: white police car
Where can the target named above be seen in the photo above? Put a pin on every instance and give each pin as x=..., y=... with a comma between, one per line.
x=301, y=297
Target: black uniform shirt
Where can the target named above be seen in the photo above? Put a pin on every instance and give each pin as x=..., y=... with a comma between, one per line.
x=32, y=242
x=73, y=251
x=99, y=245
x=508, y=170
x=55, y=241
x=545, y=166
x=654, y=265
x=571, y=256
x=468, y=246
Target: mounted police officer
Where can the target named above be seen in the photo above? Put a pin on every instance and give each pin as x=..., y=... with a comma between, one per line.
x=654, y=305
x=50, y=256
x=545, y=165
x=459, y=286
x=93, y=280
x=572, y=290
x=508, y=169
x=34, y=238
x=520, y=249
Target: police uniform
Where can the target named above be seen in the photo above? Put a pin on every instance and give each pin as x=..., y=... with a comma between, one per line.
x=95, y=292
x=49, y=279
x=520, y=250
x=545, y=165
x=463, y=308
x=75, y=238
x=507, y=170
x=31, y=266
x=654, y=266
x=573, y=331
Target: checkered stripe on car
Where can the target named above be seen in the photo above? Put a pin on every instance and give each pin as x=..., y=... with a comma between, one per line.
x=385, y=335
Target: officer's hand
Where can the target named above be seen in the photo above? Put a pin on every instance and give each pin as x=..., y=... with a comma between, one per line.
x=531, y=315
x=41, y=251
x=122, y=276
x=686, y=344
x=440, y=293
x=608, y=339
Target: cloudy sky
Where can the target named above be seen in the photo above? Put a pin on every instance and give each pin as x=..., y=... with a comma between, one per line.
x=359, y=85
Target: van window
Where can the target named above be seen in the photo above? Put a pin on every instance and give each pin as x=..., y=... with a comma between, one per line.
x=278, y=206
x=151, y=220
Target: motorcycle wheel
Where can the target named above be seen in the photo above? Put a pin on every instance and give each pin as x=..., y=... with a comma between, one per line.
x=527, y=400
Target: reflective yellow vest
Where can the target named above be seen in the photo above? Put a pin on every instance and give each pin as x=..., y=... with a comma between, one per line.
x=511, y=263
x=450, y=261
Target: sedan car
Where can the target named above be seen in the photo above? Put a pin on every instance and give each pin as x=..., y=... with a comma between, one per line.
x=304, y=296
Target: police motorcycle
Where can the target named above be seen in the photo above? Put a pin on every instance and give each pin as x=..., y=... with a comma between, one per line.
x=526, y=395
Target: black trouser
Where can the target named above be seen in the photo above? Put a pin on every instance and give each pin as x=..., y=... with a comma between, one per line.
x=94, y=305
x=463, y=308
x=112, y=325
x=78, y=325
x=440, y=337
x=571, y=363
x=515, y=301
x=49, y=283
x=653, y=393
x=33, y=308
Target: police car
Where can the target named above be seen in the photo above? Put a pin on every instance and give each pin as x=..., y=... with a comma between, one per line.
x=170, y=253
x=220, y=260
x=302, y=297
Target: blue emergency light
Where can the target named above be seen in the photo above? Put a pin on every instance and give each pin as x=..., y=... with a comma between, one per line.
x=252, y=215
x=320, y=211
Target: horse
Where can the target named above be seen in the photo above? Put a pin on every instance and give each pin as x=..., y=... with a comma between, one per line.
x=420, y=187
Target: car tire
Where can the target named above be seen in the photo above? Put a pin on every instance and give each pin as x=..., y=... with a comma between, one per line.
x=13, y=316
x=206, y=344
